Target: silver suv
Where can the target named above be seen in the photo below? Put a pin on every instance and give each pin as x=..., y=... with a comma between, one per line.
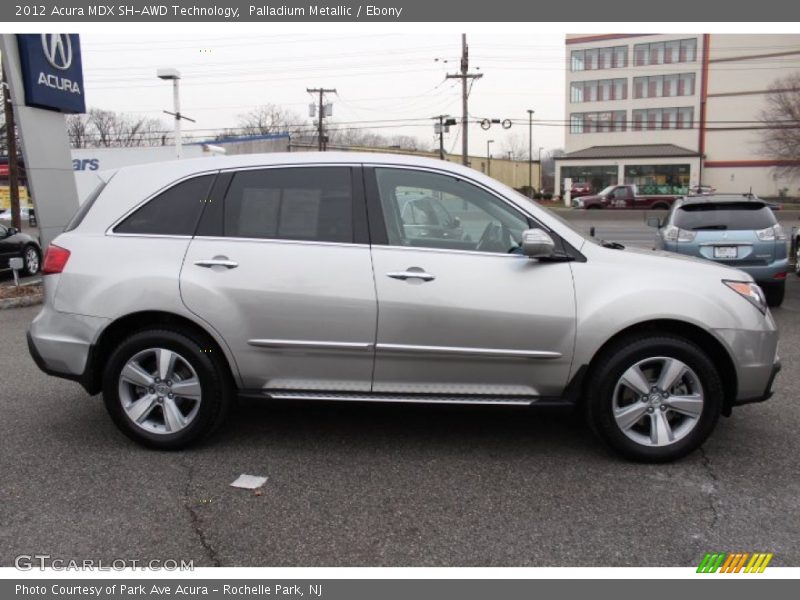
x=179, y=285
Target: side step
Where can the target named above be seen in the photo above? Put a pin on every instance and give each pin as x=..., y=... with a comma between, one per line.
x=397, y=398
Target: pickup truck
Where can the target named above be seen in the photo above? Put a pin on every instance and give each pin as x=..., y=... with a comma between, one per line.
x=624, y=196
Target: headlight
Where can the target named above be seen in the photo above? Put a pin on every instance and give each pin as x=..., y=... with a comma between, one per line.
x=580, y=203
x=771, y=233
x=675, y=234
x=750, y=292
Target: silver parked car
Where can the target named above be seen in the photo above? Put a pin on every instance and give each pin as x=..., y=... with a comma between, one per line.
x=179, y=285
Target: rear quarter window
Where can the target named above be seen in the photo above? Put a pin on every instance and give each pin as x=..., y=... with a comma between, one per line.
x=724, y=216
x=174, y=211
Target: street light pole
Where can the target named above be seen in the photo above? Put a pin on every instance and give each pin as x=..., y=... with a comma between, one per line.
x=530, y=153
x=540, y=170
x=489, y=157
x=174, y=75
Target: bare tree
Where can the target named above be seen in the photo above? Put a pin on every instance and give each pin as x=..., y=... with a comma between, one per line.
x=349, y=136
x=79, y=131
x=514, y=146
x=780, y=140
x=109, y=129
x=267, y=119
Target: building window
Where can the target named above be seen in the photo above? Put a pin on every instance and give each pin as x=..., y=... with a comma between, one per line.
x=659, y=86
x=595, y=122
x=590, y=179
x=663, y=118
x=615, y=57
x=660, y=53
x=658, y=179
x=598, y=90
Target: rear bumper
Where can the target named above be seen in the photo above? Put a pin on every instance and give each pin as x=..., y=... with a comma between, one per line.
x=62, y=345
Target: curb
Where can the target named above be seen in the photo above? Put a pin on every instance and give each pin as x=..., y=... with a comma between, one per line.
x=21, y=301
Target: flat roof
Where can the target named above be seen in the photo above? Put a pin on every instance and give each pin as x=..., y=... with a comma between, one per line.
x=631, y=151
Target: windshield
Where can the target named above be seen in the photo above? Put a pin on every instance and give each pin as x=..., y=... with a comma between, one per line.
x=734, y=216
x=607, y=190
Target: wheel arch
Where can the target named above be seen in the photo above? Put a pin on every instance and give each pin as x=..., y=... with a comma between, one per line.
x=123, y=327
x=706, y=341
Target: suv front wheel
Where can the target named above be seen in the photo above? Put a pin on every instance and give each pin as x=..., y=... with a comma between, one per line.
x=166, y=389
x=654, y=399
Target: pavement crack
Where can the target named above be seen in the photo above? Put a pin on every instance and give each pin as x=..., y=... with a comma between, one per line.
x=713, y=497
x=195, y=521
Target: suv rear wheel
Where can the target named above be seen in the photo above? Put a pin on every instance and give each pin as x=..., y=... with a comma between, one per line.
x=165, y=389
x=654, y=399
x=774, y=293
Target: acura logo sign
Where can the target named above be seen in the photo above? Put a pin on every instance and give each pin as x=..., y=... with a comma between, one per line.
x=57, y=50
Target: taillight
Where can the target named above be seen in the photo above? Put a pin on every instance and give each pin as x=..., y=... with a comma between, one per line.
x=55, y=259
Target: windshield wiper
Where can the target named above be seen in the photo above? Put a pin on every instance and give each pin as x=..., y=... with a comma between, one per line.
x=612, y=245
x=710, y=227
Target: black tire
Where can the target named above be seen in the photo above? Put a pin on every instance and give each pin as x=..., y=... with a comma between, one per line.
x=594, y=207
x=625, y=353
x=216, y=386
x=774, y=293
x=31, y=250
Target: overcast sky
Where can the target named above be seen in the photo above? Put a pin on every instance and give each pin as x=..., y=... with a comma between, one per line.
x=388, y=82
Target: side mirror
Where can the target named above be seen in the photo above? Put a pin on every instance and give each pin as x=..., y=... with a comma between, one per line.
x=537, y=243
x=455, y=223
x=655, y=222
x=11, y=231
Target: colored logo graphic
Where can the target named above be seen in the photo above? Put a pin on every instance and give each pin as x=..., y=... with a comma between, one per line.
x=734, y=562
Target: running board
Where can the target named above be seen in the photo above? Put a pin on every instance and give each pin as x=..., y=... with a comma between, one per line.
x=398, y=398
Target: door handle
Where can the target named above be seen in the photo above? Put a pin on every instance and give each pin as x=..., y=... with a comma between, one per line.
x=216, y=262
x=412, y=273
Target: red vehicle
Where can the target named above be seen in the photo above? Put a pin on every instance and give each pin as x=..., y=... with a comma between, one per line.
x=580, y=188
x=625, y=196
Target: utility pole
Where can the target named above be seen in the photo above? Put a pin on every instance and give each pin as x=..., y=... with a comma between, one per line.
x=13, y=165
x=445, y=121
x=489, y=156
x=464, y=75
x=174, y=76
x=321, y=114
x=530, y=152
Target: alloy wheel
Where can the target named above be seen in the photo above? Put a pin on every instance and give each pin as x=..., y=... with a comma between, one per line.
x=658, y=401
x=32, y=260
x=160, y=391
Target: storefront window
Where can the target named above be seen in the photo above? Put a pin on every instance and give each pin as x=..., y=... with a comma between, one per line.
x=597, y=177
x=658, y=179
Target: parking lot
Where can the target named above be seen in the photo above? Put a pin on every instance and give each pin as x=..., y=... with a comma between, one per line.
x=367, y=485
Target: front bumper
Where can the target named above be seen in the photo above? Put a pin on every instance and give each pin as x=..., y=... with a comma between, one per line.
x=768, y=391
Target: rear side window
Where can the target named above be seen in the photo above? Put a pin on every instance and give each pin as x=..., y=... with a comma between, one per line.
x=304, y=203
x=734, y=216
x=84, y=208
x=173, y=212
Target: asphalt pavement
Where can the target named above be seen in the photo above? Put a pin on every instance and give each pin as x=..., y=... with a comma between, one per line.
x=381, y=485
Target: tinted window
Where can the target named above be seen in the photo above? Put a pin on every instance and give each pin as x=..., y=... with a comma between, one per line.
x=431, y=210
x=304, y=203
x=724, y=216
x=173, y=212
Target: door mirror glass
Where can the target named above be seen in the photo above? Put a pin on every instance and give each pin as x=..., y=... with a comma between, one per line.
x=11, y=231
x=654, y=222
x=537, y=243
x=455, y=223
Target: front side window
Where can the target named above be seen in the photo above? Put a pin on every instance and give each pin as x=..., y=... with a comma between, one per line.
x=304, y=203
x=173, y=212
x=432, y=210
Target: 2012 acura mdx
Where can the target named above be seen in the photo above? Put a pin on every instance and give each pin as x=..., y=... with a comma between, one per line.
x=295, y=276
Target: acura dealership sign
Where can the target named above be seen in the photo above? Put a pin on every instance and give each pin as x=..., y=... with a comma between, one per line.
x=52, y=72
